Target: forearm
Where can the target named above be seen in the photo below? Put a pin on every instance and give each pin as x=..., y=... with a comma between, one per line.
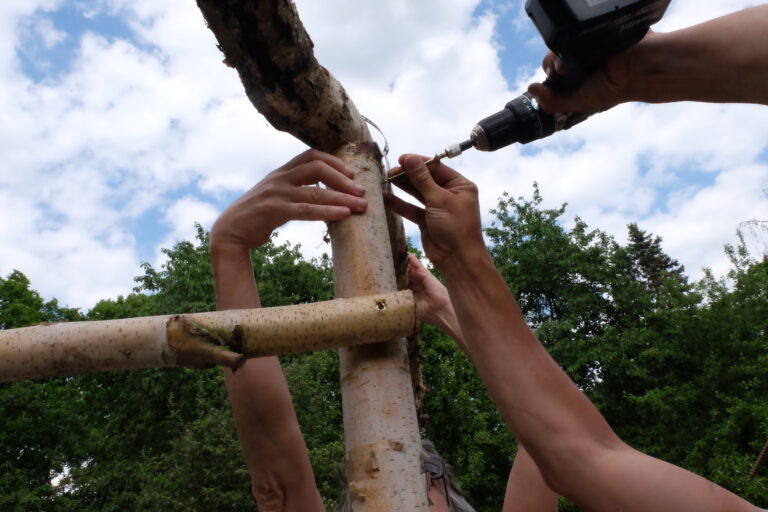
x=233, y=277
x=446, y=321
x=542, y=406
x=722, y=60
x=270, y=438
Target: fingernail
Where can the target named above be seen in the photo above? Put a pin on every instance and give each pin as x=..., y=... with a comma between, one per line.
x=359, y=189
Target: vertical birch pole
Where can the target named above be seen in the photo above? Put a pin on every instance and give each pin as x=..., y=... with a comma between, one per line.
x=380, y=426
x=266, y=43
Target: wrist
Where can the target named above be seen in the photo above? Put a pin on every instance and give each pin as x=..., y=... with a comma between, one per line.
x=460, y=265
x=445, y=319
x=657, y=69
x=228, y=253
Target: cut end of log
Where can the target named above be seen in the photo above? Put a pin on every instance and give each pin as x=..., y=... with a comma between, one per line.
x=194, y=346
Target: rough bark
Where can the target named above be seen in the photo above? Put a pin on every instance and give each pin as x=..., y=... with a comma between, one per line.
x=203, y=339
x=268, y=46
x=273, y=54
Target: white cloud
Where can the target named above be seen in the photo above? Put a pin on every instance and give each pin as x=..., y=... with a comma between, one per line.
x=181, y=216
x=51, y=37
x=159, y=124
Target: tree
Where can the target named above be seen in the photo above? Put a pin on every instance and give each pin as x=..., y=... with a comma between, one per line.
x=138, y=440
x=37, y=425
x=677, y=369
x=21, y=306
x=651, y=265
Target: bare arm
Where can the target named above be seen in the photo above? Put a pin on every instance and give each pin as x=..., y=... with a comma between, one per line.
x=578, y=454
x=526, y=490
x=724, y=60
x=270, y=438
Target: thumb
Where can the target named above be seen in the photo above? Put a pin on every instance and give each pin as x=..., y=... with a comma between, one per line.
x=420, y=177
x=582, y=99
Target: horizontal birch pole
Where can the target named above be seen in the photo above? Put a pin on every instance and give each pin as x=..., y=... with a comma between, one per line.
x=203, y=340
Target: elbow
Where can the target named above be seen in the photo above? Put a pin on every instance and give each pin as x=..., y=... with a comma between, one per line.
x=275, y=495
x=568, y=470
x=269, y=495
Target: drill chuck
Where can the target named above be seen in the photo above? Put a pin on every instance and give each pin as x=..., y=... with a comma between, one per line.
x=521, y=121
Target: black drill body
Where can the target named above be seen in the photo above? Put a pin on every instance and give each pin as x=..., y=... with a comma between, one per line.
x=583, y=33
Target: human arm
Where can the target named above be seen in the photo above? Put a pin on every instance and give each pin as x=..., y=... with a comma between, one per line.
x=433, y=305
x=724, y=60
x=526, y=490
x=270, y=438
x=579, y=455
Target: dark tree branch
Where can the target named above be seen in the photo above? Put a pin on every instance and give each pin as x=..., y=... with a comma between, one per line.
x=267, y=44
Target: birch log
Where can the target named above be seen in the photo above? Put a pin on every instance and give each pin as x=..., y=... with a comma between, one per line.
x=380, y=424
x=268, y=46
x=202, y=339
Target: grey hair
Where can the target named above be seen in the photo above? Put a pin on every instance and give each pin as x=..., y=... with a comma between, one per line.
x=428, y=454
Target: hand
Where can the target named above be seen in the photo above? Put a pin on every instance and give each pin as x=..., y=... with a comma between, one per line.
x=285, y=195
x=430, y=294
x=433, y=303
x=604, y=88
x=450, y=222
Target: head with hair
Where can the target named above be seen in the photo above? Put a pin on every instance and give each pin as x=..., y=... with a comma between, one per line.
x=439, y=477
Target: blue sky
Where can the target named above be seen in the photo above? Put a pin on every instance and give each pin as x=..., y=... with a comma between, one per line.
x=121, y=129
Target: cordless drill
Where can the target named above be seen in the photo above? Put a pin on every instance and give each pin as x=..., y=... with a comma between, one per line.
x=582, y=33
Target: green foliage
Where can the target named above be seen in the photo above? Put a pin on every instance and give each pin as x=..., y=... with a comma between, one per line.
x=184, y=284
x=134, y=305
x=21, y=306
x=34, y=417
x=463, y=422
x=156, y=440
x=679, y=369
x=314, y=383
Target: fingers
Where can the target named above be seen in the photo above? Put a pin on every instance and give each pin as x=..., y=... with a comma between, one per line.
x=426, y=183
x=308, y=211
x=316, y=155
x=417, y=272
x=548, y=101
x=404, y=184
x=445, y=176
x=319, y=171
x=405, y=209
x=420, y=177
x=603, y=88
x=321, y=196
x=552, y=65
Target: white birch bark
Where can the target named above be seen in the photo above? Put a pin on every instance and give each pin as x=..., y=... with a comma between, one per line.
x=202, y=339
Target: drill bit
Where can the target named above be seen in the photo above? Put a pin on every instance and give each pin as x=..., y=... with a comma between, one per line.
x=450, y=152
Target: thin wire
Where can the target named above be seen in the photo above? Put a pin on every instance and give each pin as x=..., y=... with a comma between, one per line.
x=384, y=151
